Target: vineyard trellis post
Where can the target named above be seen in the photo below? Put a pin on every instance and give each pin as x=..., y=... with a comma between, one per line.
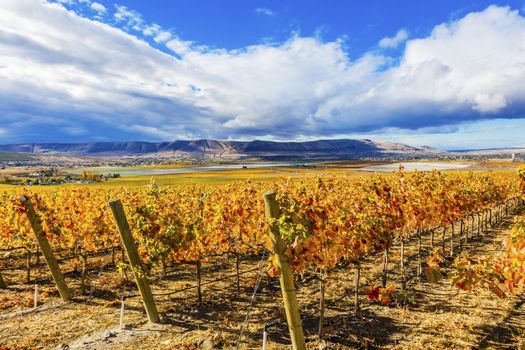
x=321, y=304
x=198, y=276
x=49, y=257
x=452, y=239
x=357, y=277
x=479, y=224
x=237, y=271
x=37, y=255
x=419, y=262
x=385, y=267
x=28, y=265
x=487, y=218
x=471, y=227
x=273, y=212
x=462, y=235
x=134, y=260
x=443, y=239
x=402, y=264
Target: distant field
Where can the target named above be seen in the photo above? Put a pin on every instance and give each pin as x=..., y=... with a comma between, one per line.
x=346, y=168
x=226, y=176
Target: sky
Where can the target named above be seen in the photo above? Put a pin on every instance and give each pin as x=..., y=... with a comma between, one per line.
x=447, y=74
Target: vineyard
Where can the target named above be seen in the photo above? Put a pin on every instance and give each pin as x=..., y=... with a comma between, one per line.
x=349, y=254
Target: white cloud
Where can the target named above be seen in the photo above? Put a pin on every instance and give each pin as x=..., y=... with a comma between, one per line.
x=162, y=37
x=130, y=18
x=179, y=46
x=393, y=42
x=119, y=87
x=98, y=7
x=265, y=11
x=489, y=103
x=151, y=30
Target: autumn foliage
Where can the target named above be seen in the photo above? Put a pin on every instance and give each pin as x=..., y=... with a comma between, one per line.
x=326, y=220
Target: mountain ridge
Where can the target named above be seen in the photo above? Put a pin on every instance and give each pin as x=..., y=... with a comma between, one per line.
x=208, y=148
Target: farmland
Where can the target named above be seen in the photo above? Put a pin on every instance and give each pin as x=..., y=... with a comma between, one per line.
x=206, y=250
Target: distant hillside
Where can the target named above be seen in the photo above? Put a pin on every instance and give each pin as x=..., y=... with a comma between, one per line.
x=213, y=149
x=11, y=156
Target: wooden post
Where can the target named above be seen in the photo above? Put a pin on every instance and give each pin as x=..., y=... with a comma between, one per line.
x=3, y=285
x=443, y=239
x=198, y=267
x=478, y=225
x=461, y=234
x=49, y=257
x=28, y=265
x=84, y=257
x=385, y=268
x=452, y=239
x=273, y=212
x=419, y=263
x=37, y=255
x=321, y=305
x=134, y=260
x=238, y=273
x=357, y=277
x=402, y=264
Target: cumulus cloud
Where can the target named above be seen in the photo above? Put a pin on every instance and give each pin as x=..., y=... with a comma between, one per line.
x=150, y=30
x=179, y=46
x=119, y=87
x=98, y=7
x=265, y=11
x=393, y=42
x=131, y=19
x=162, y=37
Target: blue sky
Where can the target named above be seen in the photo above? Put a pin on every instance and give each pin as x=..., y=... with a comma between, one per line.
x=447, y=74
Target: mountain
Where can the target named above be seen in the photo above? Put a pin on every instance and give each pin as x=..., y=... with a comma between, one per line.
x=213, y=149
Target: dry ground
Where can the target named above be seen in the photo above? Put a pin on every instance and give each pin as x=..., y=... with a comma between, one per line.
x=427, y=316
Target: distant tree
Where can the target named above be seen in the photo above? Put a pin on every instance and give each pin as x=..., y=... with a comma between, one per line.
x=89, y=175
